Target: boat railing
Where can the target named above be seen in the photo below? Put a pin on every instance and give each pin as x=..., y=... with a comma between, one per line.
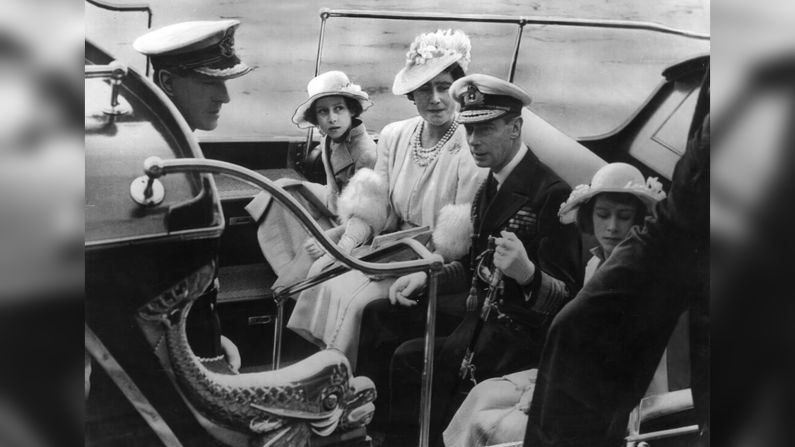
x=147, y=195
x=520, y=21
x=127, y=7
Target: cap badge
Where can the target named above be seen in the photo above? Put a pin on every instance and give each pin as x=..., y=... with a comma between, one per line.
x=227, y=44
x=473, y=96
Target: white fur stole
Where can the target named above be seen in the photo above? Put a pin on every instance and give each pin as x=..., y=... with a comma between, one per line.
x=367, y=197
x=453, y=232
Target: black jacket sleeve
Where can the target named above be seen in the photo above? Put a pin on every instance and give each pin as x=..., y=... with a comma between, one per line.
x=558, y=258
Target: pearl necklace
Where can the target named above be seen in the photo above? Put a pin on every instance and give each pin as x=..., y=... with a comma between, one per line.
x=424, y=156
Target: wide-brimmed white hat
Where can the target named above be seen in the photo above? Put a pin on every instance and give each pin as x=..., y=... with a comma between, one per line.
x=429, y=55
x=613, y=177
x=330, y=83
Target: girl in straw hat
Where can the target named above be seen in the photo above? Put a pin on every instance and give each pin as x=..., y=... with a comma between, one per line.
x=423, y=166
x=495, y=411
x=334, y=105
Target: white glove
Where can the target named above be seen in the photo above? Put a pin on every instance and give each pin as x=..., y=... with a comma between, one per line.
x=406, y=287
x=314, y=249
x=320, y=265
x=357, y=232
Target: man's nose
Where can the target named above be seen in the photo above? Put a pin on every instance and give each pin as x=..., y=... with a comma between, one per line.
x=221, y=94
x=472, y=140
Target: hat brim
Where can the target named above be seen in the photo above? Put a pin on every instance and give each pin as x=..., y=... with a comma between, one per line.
x=298, y=116
x=414, y=76
x=235, y=71
x=181, y=36
x=568, y=212
x=479, y=116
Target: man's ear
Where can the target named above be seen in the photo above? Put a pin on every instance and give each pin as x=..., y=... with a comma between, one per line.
x=516, y=130
x=165, y=80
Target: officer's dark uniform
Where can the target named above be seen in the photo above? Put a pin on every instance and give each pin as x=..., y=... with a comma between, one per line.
x=511, y=339
x=205, y=48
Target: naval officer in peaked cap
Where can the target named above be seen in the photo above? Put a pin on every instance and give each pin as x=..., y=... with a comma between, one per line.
x=192, y=61
x=540, y=259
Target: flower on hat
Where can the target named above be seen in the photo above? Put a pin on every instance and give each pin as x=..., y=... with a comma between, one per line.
x=440, y=43
x=653, y=188
x=355, y=89
x=577, y=193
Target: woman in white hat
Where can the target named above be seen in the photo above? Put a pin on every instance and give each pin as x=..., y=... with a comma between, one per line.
x=423, y=166
x=618, y=198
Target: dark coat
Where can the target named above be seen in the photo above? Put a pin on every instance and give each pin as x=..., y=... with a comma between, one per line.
x=526, y=204
x=603, y=347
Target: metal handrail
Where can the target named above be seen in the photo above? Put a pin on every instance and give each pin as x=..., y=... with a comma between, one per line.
x=155, y=167
x=520, y=21
x=128, y=7
x=282, y=294
x=661, y=434
x=114, y=72
x=300, y=286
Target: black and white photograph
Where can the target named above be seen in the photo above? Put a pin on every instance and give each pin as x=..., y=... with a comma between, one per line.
x=396, y=223
x=362, y=223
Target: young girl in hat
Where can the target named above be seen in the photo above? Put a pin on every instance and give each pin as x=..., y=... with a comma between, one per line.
x=333, y=106
x=618, y=198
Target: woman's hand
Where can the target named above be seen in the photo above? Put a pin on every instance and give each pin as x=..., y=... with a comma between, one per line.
x=511, y=257
x=231, y=353
x=406, y=287
x=347, y=244
x=321, y=264
x=314, y=249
